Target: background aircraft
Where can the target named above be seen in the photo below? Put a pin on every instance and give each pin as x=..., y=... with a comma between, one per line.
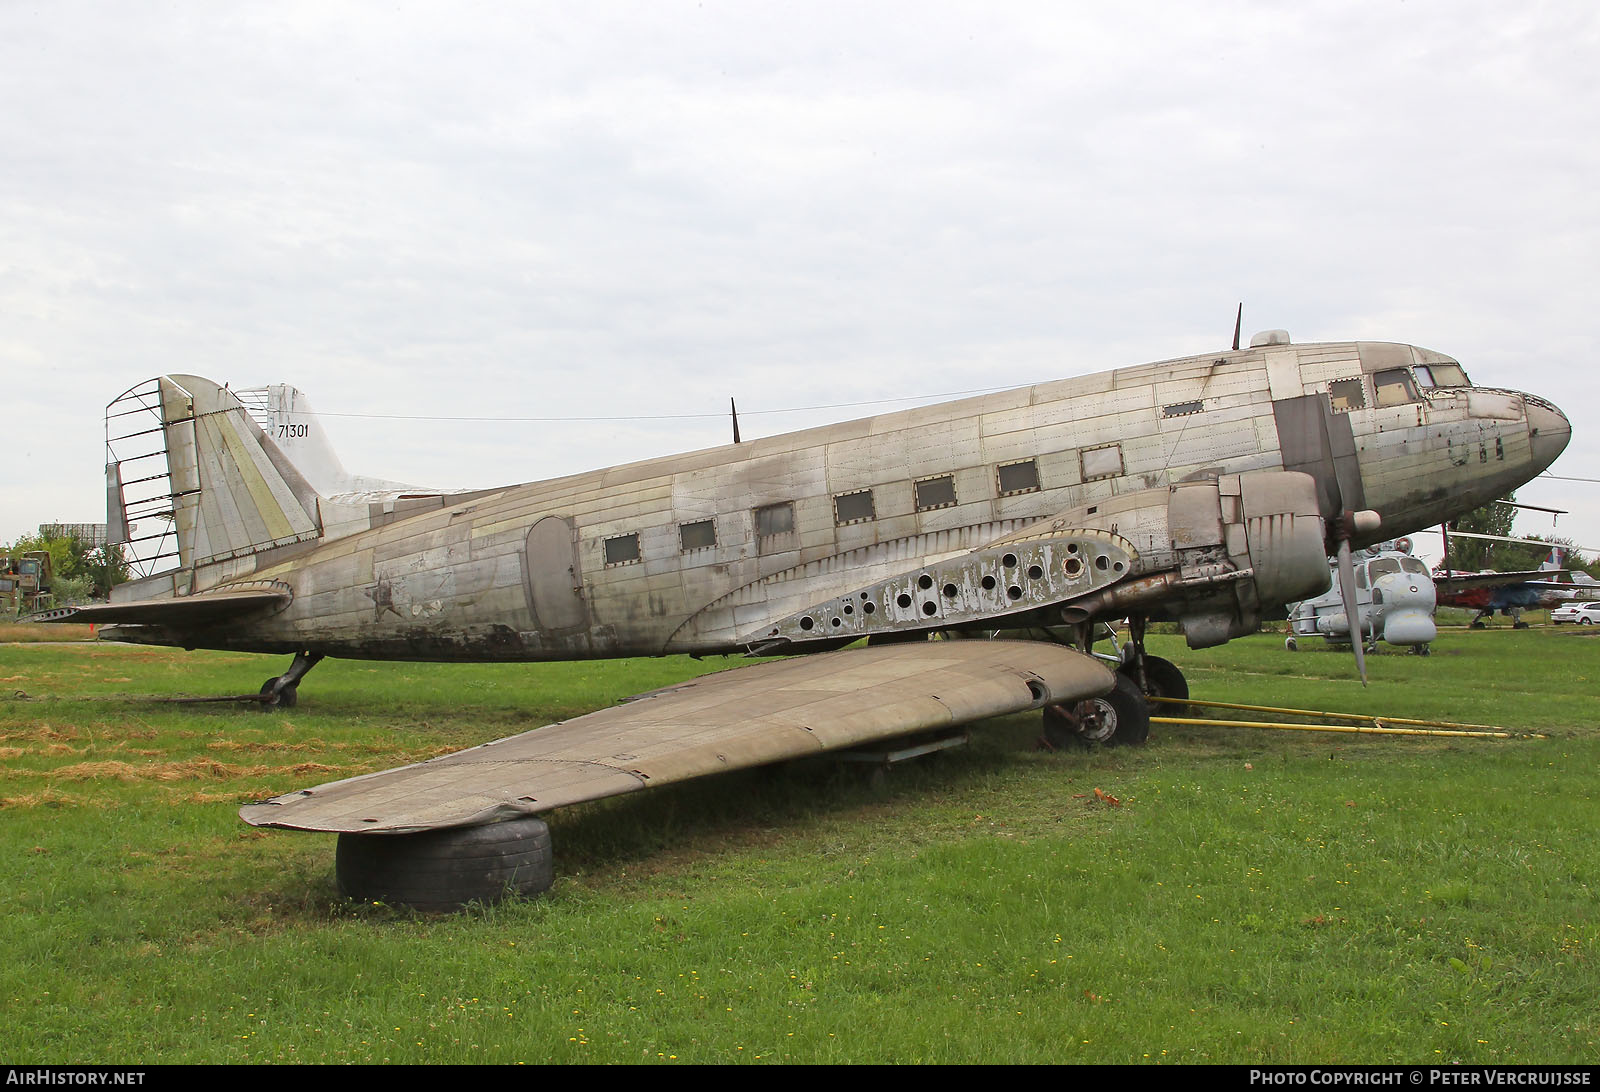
x=1511, y=593
x=1395, y=602
x=1207, y=491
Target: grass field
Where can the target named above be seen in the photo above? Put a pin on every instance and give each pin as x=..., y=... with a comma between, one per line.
x=1231, y=895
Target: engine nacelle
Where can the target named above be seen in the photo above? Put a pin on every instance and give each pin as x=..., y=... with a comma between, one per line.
x=1246, y=544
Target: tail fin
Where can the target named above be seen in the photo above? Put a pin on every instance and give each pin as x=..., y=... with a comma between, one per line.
x=225, y=490
x=1557, y=558
x=285, y=415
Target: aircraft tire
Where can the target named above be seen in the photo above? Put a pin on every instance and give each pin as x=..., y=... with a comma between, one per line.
x=444, y=870
x=286, y=698
x=1120, y=719
x=1163, y=679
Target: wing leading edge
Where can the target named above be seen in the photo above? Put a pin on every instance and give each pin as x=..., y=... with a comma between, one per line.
x=726, y=721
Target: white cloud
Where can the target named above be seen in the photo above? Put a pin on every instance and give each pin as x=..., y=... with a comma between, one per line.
x=557, y=210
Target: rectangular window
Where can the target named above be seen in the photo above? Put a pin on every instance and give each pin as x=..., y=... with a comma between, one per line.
x=697, y=535
x=853, y=507
x=937, y=492
x=1347, y=395
x=1101, y=462
x=1020, y=477
x=775, y=519
x=1181, y=409
x=622, y=549
x=1441, y=375
x=1394, y=387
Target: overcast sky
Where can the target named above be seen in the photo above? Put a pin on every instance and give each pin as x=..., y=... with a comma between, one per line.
x=638, y=210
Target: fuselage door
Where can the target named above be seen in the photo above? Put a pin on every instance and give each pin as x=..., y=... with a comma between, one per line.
x=554, y=580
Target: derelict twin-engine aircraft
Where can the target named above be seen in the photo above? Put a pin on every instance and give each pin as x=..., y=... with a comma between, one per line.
x=1207, y=491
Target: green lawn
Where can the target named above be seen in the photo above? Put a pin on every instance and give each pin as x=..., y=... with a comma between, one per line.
x=1250, y=895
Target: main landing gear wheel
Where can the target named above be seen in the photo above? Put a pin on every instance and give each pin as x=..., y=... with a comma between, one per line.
x=1120, y=718
x=444, y=870
x=1162, y=679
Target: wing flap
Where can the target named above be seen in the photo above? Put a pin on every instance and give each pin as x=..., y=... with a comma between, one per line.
x=730, y=720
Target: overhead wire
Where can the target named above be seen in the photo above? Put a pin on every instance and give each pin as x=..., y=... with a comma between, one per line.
x=664, y=416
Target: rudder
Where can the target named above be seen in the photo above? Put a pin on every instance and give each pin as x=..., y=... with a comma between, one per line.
x=225, y=490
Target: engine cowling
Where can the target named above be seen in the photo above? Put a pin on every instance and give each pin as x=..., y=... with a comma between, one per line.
x=1246, y=544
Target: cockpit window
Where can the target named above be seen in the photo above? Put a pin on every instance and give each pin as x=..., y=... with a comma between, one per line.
x=1412, y=565
x=1395, y=387
x=1382, y=567
x=1441, y=375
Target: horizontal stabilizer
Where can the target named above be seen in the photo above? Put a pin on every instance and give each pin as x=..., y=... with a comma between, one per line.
x=730, y=720
x=190, y=610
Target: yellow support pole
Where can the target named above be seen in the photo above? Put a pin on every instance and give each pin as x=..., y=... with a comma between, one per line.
x=1359, y=729
x=1326, y=715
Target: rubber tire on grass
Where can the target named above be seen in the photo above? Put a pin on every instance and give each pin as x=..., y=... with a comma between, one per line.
x=287, y=698
x=1164, y=680
x=1125, y=704
x=444, y=870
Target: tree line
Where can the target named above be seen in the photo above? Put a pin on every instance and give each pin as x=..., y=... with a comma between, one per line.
x=1476, y=554
x=78, y=571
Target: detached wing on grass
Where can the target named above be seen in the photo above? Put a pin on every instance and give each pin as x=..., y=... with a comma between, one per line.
x=726, y=721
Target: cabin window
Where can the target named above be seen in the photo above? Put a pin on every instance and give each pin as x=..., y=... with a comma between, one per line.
x=1102, y=462
x=1181, y=409
x=1395, y=387
x=775, y=528
x=622, y=549
x=853, y=507
x=775, y=519
x=1347, y=395
x=1020, y=477
x=697, y=535
x=937, y=492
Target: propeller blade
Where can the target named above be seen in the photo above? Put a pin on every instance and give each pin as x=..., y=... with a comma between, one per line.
x=1352, y=610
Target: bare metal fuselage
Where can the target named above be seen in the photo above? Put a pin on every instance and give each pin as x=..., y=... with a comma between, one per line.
x=699, y=552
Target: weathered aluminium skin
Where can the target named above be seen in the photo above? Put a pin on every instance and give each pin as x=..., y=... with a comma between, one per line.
x=1150, y=472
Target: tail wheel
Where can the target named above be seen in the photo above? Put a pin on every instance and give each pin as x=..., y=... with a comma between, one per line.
x=285, y=698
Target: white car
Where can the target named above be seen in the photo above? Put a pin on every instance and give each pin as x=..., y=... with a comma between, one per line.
x=1585, y=614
